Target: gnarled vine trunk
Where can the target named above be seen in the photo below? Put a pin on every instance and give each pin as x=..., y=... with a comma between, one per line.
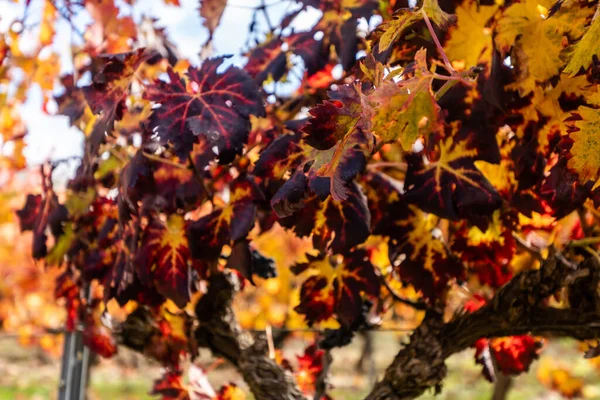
x=220, y=331
x=518, y=308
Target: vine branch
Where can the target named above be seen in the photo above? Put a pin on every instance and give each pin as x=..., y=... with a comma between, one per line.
x=518, y=308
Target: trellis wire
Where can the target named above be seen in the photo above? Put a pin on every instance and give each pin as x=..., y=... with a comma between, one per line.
x=58, y=332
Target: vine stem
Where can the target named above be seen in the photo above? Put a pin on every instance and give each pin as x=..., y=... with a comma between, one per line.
x=584, y=242
x=437, y=43
x=164, y=160
x=388, y=164
x=414, y=304
x=523, y=243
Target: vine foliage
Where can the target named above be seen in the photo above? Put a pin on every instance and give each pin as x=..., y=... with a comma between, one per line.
x=455, y=156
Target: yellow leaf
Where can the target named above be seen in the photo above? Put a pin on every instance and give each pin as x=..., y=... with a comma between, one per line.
x=437, y=15
x=393, y=29
x=537, y=40
x=47, y=23
x=584, y=50
x=48, y=69
x=407, y=109
x=557, y=377
x=586, y=146
x=421, y=239
x=471, y=39
x=63, y=244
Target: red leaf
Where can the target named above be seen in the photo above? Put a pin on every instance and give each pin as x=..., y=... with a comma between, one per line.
x=231, y=392
x=72, y=102
x=267, y=60
x=170, y=386
x=335, y=225
x=310, y=365
x=67, y=289
x=488, y=253
x=451, y=186
x=282, y=155
x=28, y=214
x=100, y=340
x=232, y=222
x=164, y=257
x=211, y=11
x=474, y=303
x=310, y=50
x=108, y=90
x=336, y=285
x=331, y=120
x=179, y=188
x=512, y=354
x=110, y=86
x=216, y=105
x=420, y=258
x=515, y=354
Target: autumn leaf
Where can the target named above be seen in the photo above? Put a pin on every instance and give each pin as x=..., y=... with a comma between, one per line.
x=170, y=386
x=29, y=213
x=414, y=247
x=335, y=225
x=284, y=154
x=585, y=50
x=310, y=50
x=584, y=133
x=336, y=118
x=420, y=257
x=267, y=61
x=525, y=28
x=215, y=105
x=211, y=11
x=231, y=392
x=339, y=130
x=180, y=189
x=164, y=258
x=310, y=365
x=486, y=252
x=470, y=40
x=437, y=15
x=110, y=86
x=406, y=110
x=557, y=377
x=336, y=285
x=231, y=222
x=563, y=191
x=339, y=29
x=392, y=30
x=66, y=288
x=71, y=103
x=249, y=261
x=513, y=354
x=47, y=30
x=136, y=180
x=451, y=187
x=99, y=339
x=109, y=32
x=107, y=92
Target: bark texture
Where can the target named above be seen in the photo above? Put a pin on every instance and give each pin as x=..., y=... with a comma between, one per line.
x=220, y=331
x=518, y=308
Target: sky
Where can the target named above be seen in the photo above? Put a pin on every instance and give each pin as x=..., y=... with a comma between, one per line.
x=50, y=137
